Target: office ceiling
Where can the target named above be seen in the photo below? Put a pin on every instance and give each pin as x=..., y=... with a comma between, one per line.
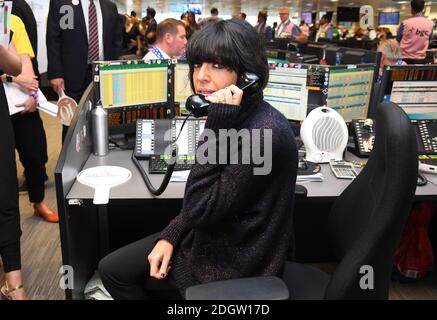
x=251, y=7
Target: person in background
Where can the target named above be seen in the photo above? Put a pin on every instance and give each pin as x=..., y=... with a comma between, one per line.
x=390, y=55
x=191, y=25
x=144, y=25
x=28, y=125
x=336, y=33
x=71, y=52
x=274, y=28
x=10, y=231
x=371, y=33
x=22, y=10
x=263, y=29
x=151, y=30
x=171, y=39
x=213, y=18
x=414, y=34
x=233, y=222
x=214, y=13
x=325, y=28
x=287, y=29
x=132, y=37
x=304, y=28
x=242, y=16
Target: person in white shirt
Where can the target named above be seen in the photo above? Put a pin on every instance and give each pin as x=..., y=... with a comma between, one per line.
x=171, y=40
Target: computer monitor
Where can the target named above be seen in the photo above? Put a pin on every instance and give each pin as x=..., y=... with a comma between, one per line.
x=123, y=85
x=276, y=54
x=317, y=79
x=315, y=48
x=134, y=89
x=333, y=55
x=388, y=18
x=348, y=14
x=182, y=87
x=360, y=56
x=413, y=88
x=307, y=17
x=286, y=90
x=349, y=90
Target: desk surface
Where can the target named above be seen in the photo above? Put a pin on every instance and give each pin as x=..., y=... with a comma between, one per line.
x=136, y=189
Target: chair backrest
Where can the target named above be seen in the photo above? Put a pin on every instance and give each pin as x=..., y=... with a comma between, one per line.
x=367, y=219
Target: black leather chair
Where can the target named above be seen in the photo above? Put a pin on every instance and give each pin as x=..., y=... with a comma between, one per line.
x=365, y=225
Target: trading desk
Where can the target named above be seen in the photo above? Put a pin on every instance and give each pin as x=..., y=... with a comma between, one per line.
x=136, y=189
x=88, y=232
x=132, y=213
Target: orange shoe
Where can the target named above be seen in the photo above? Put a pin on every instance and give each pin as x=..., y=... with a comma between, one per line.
x=48, y=215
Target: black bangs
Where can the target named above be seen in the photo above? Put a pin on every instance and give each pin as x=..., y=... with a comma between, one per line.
x=234, y=44
x=213, y=45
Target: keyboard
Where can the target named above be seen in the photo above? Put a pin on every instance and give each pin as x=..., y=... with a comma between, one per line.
x=158, y=164
x=428, y=163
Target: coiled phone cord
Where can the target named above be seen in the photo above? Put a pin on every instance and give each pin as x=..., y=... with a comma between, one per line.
x=170, y=168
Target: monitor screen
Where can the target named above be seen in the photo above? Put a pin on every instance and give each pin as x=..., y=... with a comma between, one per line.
x=388, y=18
x=123, y=85
x=307, y=17
x=317, y=79
x=182, y=85
x=286, y=91
x=348, y=14
x=413, y=88
x=350, y=90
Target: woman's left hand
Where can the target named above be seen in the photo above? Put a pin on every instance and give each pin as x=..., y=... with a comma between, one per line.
x=229, y=95
x=28, y=106
x=159, y=259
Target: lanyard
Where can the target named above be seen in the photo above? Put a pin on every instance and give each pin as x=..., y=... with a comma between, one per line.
x=284, y=26
x=157, y=53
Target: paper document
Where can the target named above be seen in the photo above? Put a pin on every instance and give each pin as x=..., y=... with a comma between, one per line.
x=15, y=95
x=317, y=177
x=180, y=176
x=47, y=107
x=5, y=20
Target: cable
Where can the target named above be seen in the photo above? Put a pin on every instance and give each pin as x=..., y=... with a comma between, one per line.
x=118, y=146
x=170, y=168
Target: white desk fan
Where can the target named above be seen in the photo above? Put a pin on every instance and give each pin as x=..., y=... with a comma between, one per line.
x=324, y=134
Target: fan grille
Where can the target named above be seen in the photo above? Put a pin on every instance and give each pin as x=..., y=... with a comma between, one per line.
x=327, y=134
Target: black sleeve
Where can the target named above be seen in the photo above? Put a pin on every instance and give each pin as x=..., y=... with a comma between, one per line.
x=54, y=42
x=117, y=37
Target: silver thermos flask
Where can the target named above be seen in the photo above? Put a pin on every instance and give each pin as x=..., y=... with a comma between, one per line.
x=99, y=118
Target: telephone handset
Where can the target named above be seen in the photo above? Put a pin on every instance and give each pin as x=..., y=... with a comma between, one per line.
x=198, y=105
x=364, y=137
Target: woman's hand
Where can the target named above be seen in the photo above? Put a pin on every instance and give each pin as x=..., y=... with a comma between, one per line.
x=229, y=95
x=159, y=259
x=27, y=82
x=28, y=106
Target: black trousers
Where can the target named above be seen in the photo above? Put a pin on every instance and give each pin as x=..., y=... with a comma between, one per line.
x=10, y=231
x=125, y=273
x=11, y=257
x=31, y=144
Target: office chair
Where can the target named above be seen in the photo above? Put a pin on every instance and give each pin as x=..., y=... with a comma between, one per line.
x=364, y=227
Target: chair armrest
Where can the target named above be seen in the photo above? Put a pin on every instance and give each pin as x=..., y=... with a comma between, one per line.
x=300, y=192
x=255, y=288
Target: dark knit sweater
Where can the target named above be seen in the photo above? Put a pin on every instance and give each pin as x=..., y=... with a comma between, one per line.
x=233, y=223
